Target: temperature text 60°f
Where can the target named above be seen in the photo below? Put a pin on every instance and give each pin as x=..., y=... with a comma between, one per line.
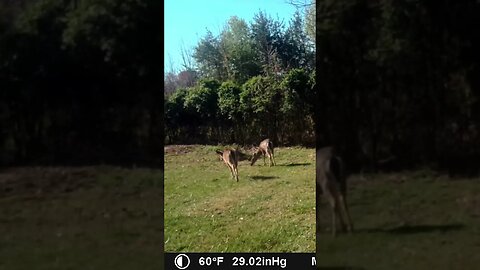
x=208, y=261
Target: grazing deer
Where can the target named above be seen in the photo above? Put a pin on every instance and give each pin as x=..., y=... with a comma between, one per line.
x=265, y=148
x=330, y=177
x=230, y=158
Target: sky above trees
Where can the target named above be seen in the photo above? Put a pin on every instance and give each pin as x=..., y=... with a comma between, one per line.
x=186, y=22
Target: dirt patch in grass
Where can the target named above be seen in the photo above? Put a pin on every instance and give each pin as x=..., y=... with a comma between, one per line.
x=245, y=152
x=44, y=180
x=178, y=149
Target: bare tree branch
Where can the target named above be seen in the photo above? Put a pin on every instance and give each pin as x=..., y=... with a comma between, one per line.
x=187, y=59
x=171, y=65
x=300, y=3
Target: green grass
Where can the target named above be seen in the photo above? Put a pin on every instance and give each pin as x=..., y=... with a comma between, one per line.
x=412, y=220
x=80, y=218
x=270, y=209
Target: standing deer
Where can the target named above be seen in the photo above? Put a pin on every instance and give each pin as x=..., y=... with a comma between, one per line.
x=265, y=148
x=230, y=158
x=331, y=180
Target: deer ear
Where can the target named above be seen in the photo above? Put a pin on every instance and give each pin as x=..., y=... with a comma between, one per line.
x=219, y=152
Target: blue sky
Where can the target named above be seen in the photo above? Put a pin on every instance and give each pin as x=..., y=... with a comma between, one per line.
x=186, y=21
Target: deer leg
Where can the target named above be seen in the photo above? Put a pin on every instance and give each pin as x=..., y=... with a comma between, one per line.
x=334, y=219
x=236, y=173
x=226, y=164
x=332, y=193
x=269, y=159
x=231, y=170
x=344, y=206
x=273, y=157
x=343, y=227
x=264, y=163
x=333, y=206
x=338, y=212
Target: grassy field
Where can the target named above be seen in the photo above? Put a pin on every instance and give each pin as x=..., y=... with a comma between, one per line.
x=270, y=209
x=412, y=220
x=80, y=218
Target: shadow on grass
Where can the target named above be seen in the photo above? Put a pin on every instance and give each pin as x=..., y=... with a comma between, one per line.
x=417, y=229
x=295, y=164
x=263, y=177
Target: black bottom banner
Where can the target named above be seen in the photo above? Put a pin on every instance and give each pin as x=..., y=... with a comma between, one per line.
x=239, y=261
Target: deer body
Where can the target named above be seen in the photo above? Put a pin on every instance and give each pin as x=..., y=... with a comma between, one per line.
x=266, y=149
x=331, y=181
x=230, y=158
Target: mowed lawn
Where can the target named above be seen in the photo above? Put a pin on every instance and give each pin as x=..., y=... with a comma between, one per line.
x=270, y=209
x=411, y=220
x=80, y=218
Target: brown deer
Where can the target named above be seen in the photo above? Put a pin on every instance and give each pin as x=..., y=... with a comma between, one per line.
x=331, y=181
x=230, y=158
x=265, y=148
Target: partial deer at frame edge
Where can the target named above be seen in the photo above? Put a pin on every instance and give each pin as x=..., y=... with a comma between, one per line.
x=332, y=183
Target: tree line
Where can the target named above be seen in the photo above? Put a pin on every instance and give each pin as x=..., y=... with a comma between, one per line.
x=79, y=81
x=252, y=80
x=399, y=82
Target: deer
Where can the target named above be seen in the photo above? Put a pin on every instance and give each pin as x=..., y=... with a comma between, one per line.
x=265, y=148
x=230, y=158
x=331, y=181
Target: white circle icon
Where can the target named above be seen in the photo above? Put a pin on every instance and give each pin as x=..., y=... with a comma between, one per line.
x=182, y=261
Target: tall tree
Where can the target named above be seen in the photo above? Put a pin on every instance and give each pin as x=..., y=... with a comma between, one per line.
x=209, y=57
x=238, y=51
